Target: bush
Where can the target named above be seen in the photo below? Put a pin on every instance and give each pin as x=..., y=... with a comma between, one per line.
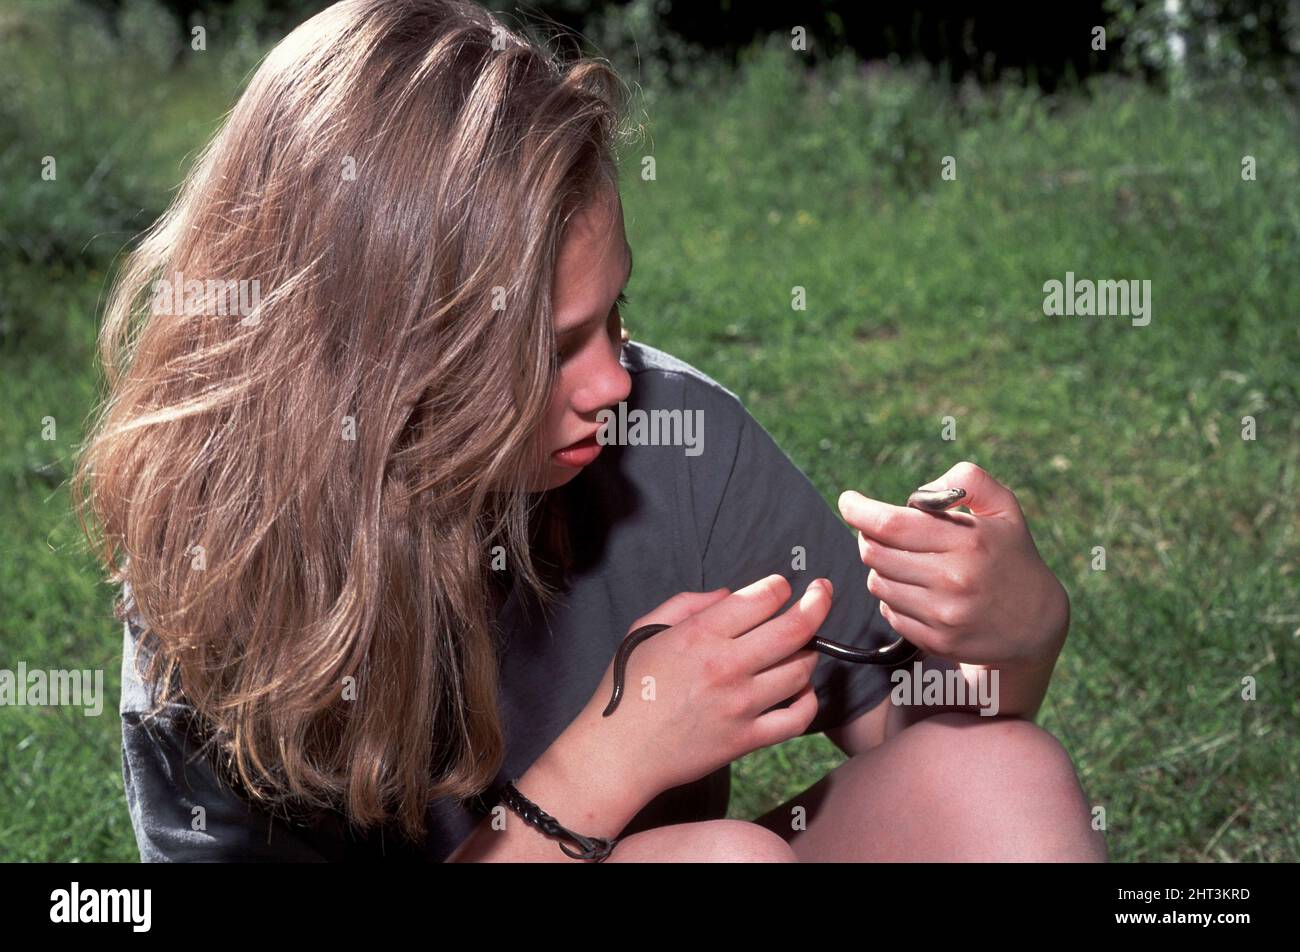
x=75, y=93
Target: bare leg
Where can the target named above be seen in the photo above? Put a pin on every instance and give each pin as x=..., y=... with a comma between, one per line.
x=954, y=787
x=709, y=841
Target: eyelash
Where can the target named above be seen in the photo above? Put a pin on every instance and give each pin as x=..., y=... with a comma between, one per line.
x=619, y=303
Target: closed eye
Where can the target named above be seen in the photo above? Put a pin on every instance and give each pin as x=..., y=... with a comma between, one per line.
x=614, y=325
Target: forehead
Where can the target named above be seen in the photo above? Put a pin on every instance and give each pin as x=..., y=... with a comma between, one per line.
x=592, y=263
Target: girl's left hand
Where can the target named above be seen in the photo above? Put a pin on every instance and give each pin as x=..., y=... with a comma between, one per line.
x=970, y=588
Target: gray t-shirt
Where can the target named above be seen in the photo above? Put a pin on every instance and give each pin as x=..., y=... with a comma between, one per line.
x=650, y=521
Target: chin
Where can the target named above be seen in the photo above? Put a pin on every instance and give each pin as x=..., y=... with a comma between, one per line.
x=559, y=475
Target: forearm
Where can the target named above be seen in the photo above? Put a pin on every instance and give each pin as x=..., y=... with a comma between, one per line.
x=571, y=783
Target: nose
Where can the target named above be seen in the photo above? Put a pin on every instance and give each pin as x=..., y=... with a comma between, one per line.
x=604, y=383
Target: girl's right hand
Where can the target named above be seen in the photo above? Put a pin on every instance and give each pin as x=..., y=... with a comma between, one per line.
x=724, y=662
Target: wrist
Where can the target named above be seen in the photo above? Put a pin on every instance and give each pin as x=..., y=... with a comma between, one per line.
x=576, y=782
x=1047, y=620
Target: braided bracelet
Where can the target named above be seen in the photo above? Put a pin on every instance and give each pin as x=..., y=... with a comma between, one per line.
x=592, y=847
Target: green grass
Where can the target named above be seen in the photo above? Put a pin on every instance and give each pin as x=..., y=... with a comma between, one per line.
x=924, y=300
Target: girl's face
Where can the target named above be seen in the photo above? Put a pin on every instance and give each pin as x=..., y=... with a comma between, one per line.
x=593, y=267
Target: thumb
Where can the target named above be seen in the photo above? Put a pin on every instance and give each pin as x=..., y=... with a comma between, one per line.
x=985, y=496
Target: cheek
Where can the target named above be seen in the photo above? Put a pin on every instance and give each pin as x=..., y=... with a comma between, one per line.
x=558, y=407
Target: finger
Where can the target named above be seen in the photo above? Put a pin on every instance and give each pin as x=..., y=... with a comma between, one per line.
x=913, y=629
x=785, y=722
x=782, y=680
x=899, y=526
x=902, y=596
x=781, y=637
x=985, y=496
x=681, y=607
x=745, y=608
x=914, y=567
x=919, y=602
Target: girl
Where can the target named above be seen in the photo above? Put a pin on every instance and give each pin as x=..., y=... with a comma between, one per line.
x=377, y=551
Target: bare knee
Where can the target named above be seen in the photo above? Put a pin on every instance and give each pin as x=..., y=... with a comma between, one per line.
x=708, y=841
x=1007, y=784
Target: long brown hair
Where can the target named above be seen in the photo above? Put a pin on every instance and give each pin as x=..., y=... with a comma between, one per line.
x=307, y=495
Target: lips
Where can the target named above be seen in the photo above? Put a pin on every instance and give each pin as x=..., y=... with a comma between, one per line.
x=579, y=454
x=584, y=442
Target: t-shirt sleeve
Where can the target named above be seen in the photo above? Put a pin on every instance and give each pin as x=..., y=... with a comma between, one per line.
x=758, y=514
x=167, y=776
